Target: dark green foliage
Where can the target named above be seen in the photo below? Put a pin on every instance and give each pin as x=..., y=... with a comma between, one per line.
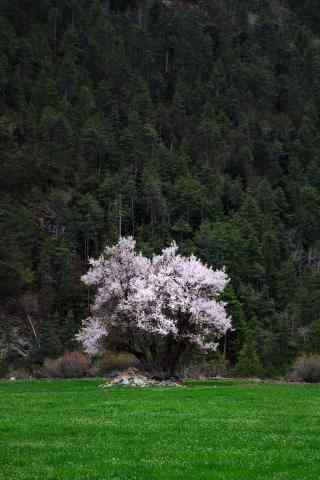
x=3, y=367
x=161, y=120
x=249, y=364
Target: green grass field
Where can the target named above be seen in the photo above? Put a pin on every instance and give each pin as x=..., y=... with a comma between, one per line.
x=73, y=430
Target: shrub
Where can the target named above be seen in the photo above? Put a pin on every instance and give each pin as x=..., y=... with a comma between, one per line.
x=18, y=374
x=39, y=372
x=93, y=371
x=204, y=367
x=306, y=369
x=51, y=368
x=111, y=361
x=70, y=365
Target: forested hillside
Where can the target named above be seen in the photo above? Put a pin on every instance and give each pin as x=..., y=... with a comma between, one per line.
x=189, y=120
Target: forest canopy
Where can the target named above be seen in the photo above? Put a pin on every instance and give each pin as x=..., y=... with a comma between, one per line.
x=165, y=120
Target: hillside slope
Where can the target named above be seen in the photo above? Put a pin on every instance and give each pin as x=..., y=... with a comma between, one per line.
x=199, y=123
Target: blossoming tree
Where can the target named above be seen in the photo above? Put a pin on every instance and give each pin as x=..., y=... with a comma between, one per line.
x=154, y=308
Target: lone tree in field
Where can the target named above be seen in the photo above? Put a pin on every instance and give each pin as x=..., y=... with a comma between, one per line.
x=156, y=308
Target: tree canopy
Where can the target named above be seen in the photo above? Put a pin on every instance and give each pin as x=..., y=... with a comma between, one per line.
x=154, y=308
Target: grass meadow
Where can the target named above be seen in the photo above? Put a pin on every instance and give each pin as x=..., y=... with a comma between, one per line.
x=223, y=430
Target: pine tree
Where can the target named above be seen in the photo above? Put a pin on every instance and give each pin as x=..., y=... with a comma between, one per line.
x=249, y=364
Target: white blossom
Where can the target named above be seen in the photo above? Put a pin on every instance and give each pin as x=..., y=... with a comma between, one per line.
x=169, y=295
x=91, y=334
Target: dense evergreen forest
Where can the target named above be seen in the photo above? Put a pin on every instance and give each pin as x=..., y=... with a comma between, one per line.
x=197, y=121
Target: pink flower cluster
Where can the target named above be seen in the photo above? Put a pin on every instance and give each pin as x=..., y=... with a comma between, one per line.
x=167, y=295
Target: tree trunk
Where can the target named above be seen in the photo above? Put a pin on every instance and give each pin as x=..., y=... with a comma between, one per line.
x=172, y=359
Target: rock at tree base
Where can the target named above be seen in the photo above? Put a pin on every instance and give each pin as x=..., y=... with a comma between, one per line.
x=133, y=378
